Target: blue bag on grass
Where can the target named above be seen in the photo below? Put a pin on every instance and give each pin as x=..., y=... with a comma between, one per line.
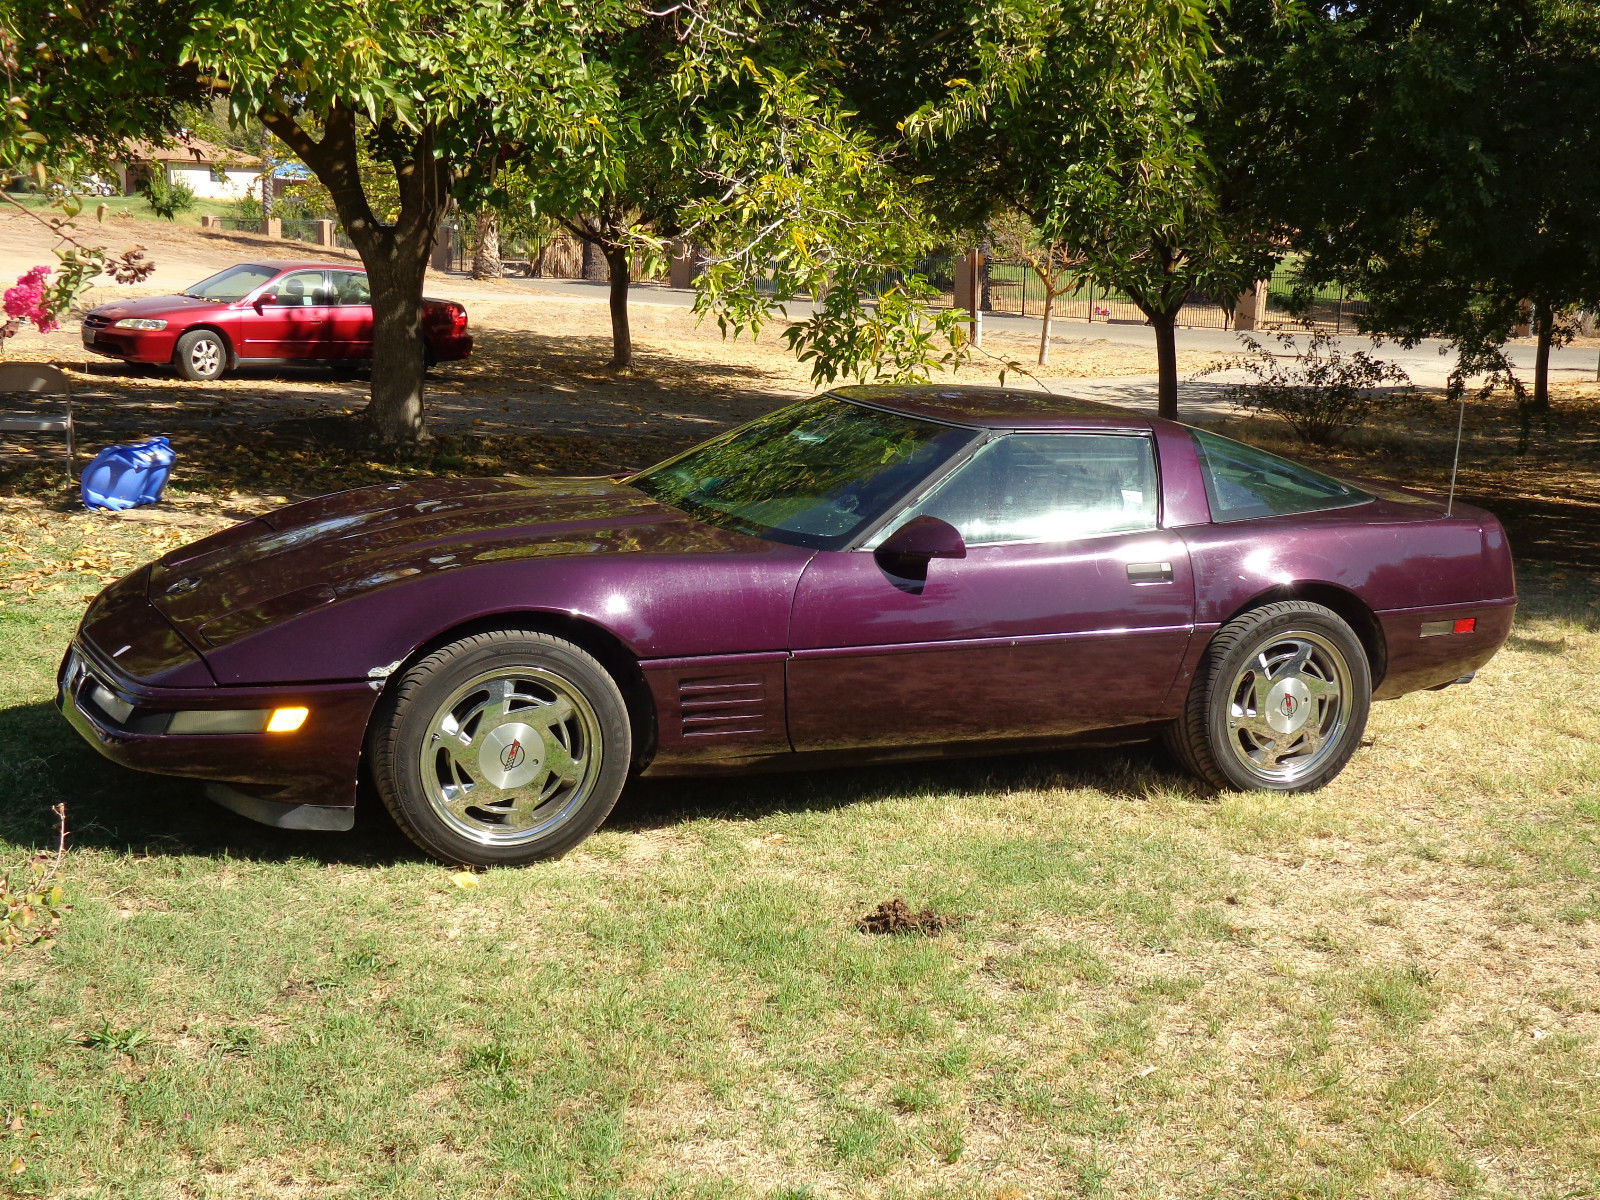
x=128, y=476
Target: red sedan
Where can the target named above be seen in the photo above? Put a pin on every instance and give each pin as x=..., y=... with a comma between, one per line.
x=262, y=313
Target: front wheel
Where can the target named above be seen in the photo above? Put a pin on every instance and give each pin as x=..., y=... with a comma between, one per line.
x=502, y=748
x=200, y=355
x=1279, y=702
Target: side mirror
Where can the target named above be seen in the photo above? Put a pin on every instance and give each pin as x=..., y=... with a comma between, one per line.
x=265, y=299
x=908, y=549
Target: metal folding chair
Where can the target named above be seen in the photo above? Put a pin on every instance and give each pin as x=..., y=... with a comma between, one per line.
x=20, y=379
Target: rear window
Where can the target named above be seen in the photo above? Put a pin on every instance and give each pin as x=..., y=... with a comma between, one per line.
x=1243, y=483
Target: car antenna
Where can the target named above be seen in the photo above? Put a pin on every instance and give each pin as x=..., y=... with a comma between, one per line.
x=1455, y=467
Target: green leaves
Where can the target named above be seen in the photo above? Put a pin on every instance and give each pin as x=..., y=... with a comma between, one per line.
x=1462, y=186
x=807, y=205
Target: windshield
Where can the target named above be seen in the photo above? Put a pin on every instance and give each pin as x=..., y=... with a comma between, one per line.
x=233, y=284
x=813, y=474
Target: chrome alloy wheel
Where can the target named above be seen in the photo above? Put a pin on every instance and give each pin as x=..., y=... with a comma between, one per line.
x=205, y=357
x=1288, y=707
x=511, y=755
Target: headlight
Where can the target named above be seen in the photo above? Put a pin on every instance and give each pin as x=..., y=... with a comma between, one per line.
x=139, y=323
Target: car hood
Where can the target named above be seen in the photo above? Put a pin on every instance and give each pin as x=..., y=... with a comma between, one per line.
x=152, y=306
x=332, y=549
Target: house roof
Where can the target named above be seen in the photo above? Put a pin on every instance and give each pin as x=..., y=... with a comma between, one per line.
x=188, y=150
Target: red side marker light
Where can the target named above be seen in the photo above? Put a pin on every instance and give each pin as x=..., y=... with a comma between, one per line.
x=1466, y=625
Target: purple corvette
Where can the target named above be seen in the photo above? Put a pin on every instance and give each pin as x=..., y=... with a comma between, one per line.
x=874, y=573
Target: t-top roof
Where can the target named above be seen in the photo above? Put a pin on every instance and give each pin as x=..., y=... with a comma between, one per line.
x=999, y=408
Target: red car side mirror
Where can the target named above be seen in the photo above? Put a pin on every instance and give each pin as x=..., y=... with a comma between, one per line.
x=908, y=550
x=266, y=298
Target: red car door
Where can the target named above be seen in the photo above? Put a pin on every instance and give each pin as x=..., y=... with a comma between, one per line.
x=294, y=324
x=350, y=317
x=1070, y=611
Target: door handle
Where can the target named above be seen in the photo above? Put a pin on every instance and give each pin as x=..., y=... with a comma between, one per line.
x=1150, y=572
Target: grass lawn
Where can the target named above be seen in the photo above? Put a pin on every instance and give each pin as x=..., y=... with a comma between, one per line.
x=1387, y=988
x=136, y=207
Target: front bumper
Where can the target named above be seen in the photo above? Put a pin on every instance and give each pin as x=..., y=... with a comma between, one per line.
x=131, y=345
x=313, y=769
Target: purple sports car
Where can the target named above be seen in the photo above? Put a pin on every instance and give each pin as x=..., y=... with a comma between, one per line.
x=874, y=573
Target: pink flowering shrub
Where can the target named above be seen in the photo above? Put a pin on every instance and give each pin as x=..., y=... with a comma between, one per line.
x=29, y=300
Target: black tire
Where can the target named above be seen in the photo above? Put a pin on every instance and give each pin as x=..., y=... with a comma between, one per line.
x=201, y=354
x=537, y=753
x=1253, y=721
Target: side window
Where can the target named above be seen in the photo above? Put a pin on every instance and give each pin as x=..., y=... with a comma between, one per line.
x=1243, y=483
x=302, y=289
x=1049, y=487
x=350, y=287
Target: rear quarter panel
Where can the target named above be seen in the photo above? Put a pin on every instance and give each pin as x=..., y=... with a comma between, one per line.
x=1404, y=561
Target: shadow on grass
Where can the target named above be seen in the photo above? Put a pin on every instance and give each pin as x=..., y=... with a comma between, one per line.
x=127, y=812
x=1547, y=593
x=525, y=403
x=1126, y=772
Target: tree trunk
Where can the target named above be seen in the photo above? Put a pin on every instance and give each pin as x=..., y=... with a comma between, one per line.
x=398, y=353
x=1165, y=324
x=268, y=165
x=1544, y=326
x=595, y=268
x=486, y=246
x=621, y=336
x=395, y=256
x=1044, y=334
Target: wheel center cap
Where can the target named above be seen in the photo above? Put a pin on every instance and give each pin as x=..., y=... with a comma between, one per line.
x=511, y=755
x=1288, y=706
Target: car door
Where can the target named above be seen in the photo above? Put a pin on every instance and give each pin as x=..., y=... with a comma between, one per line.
x=294, y=325
x=350, y=317
x=1070, y=611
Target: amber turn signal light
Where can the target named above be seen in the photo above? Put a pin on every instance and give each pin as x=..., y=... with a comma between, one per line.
x=287, y=720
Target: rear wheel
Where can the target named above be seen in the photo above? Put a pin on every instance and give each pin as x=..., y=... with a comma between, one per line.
x=1279, y=702
x=502, y=748
x=201, y=354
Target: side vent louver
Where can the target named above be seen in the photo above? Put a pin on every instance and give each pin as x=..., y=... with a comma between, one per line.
x=722, y=706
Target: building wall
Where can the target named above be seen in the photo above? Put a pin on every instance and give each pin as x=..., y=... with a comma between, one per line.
x=237, y=182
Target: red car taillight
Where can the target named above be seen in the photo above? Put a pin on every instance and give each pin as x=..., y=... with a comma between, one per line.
x=445, y=318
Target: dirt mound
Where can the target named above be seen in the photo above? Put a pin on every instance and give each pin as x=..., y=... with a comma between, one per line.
x=895, y=916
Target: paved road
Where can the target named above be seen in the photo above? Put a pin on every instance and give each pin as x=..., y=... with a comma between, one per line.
x=1428, y=364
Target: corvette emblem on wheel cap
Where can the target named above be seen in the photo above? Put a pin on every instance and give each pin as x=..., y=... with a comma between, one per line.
x=512, y=756
x=1288, y=706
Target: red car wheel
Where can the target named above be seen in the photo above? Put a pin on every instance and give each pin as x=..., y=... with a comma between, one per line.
x=201, y=354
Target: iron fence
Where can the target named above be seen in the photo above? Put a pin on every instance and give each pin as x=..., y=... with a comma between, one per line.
x=1293, y=301
x=298, y=230
x=1015, y=288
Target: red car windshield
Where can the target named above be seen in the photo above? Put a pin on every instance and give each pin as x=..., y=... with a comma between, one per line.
x=233, y=284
